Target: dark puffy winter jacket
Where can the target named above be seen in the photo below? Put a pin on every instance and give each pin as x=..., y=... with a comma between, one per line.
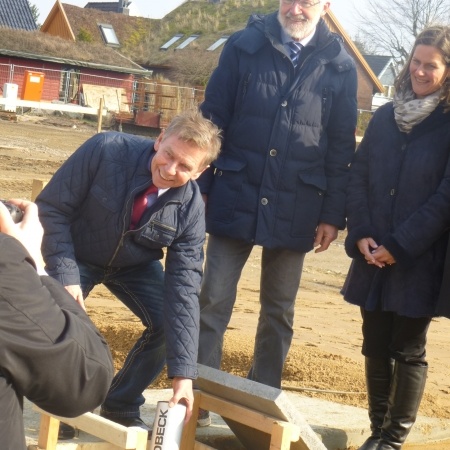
x=50, y=351
x=288, y=139
x=85, y=210
x=399, y=194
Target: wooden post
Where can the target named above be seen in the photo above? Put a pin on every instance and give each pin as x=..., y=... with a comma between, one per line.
x=100, y=116
x=48, y=432
x=37, y=187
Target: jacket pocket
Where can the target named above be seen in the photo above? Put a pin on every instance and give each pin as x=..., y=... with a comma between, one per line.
x=226, y=190
x=309, y=196
x=160, y=233
x=161, y=230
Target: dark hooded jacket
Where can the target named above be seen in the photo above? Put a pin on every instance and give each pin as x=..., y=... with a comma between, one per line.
x=289, y=137
x=50, y=351
x=399, y=194
x=85, y=210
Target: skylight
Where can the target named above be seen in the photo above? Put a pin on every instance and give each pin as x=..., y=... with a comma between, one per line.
x=185, y=43
x=109, y=35
x=218, y=43
x=171, y=41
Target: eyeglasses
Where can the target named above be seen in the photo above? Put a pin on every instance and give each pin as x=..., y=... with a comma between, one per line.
x=304, y=4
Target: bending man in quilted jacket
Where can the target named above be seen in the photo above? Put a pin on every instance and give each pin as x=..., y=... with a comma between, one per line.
x=95, y=233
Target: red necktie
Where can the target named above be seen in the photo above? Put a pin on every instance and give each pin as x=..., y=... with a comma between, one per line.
x=140, y=204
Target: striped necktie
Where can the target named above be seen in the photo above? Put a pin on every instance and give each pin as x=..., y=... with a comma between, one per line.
x=296, y=48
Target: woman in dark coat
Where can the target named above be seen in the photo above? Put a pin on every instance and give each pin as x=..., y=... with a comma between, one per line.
x=398, y=209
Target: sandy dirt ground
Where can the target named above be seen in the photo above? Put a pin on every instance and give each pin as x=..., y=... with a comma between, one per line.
x=325, y=359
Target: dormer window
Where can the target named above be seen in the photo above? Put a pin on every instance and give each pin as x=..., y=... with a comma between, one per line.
x=109, y=35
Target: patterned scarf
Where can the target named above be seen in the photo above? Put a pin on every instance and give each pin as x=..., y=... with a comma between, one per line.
x=410, y=111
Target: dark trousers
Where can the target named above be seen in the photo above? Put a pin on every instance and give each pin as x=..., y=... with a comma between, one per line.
x=388, y=335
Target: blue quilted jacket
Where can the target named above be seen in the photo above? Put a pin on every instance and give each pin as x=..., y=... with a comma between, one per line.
x=85, y=210
x=288, y=137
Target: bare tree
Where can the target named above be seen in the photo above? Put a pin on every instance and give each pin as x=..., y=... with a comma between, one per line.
x=193, y=67
x=392, y=25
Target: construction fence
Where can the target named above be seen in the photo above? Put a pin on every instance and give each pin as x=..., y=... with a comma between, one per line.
x=129, y=98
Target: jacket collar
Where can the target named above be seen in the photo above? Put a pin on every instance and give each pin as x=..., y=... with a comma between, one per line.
x=263, y=30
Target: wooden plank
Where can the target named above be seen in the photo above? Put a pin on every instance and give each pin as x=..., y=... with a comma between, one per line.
x=133, y=438
x=52, y=106
x=48, y=432
x=281, y=436
x=241, y=414
x=201, y=446
x=189, y=430
x=37, y=187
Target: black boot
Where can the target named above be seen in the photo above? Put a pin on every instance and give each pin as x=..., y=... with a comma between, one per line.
x=408, y=384
x=378, y=384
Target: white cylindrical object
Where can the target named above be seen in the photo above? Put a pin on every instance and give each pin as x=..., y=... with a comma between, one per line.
x=168, y=426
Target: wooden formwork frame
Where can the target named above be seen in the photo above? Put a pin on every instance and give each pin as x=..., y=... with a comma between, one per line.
x=116, y=436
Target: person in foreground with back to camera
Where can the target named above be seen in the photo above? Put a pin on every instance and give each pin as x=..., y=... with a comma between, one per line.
x=108, y=213
x=289, y=120
x=50, y=351
x=398, y=220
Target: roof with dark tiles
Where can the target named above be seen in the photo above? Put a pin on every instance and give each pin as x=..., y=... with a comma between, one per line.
x=16, y=14
x=378, y=63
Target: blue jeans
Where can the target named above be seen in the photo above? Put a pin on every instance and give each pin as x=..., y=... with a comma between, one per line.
x=280, y=278
x=140, y=288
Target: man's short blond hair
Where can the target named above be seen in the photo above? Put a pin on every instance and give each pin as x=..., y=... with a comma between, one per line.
x=191, y=127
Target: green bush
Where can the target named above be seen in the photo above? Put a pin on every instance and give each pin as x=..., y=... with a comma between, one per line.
x=363, y=120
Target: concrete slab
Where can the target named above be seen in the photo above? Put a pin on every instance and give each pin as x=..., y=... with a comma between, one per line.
x=338, y=426
x=258, y=397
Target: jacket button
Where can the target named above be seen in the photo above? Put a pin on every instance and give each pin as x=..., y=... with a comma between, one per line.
x=264, y=201
x=273, y=152
x=392, y=191
x=284, y=104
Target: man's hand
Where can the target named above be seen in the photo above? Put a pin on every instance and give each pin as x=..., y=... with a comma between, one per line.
x=75, y=291
x=183, y=393
x=28, y=231
x=325, y=235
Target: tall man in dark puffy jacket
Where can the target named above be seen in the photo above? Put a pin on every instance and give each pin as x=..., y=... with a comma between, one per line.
x=279, y=182
x=92, y=236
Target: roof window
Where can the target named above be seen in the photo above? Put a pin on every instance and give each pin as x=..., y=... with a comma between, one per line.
x=109, y=35
x=171, y=41
x=218, y=43
x=185, y=43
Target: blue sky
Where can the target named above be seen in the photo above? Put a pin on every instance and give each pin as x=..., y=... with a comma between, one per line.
x=156, y=9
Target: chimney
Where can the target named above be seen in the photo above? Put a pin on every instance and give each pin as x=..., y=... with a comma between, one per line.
x=123, y=7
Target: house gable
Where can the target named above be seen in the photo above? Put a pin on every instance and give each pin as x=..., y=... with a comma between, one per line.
x=84, y=24
x=57, y=23
x=383, y=67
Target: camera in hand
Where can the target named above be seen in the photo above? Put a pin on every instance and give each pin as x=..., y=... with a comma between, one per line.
x=16, y=213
